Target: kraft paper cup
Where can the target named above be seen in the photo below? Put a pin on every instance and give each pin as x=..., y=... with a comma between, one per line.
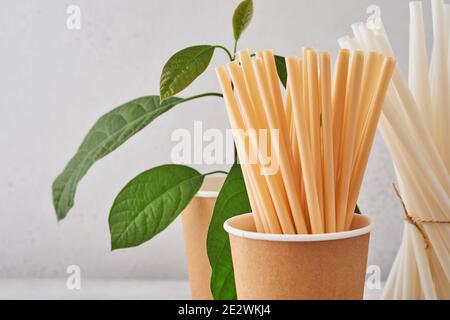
x=287, y=267
x=195, y=219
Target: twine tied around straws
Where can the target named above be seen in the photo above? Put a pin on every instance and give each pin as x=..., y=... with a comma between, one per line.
x=415, y=221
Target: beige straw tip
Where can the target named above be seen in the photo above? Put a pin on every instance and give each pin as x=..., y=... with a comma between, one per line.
x=245, y=51
x=344, y=51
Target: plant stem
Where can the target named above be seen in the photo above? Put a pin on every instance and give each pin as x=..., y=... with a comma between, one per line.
x=215, y=172
x=208, y=94
x=235, y=155
x=230, y=56
x=235, y=49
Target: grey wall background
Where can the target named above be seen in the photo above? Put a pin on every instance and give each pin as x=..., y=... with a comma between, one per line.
x=55, y=83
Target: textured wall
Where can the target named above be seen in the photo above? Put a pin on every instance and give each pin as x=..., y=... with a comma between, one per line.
x=55, y=83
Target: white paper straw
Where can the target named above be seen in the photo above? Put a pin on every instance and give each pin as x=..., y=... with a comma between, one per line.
x=415, y=124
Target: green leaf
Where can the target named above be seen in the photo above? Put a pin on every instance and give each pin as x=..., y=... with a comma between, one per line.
x=281, y=69
x=150, y=202
x=242, y=17
x=183, y=68
x=231, y=201
x=357, y=211
x=107, y=134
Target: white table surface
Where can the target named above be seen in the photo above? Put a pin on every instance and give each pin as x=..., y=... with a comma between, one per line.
x=105, y=289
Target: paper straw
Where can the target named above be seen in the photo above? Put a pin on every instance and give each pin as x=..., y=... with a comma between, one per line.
x=283, y=119
x=439, y=75
x=418, y=62
x=327, y=138
x=305, y=80
x=314, y=121
x=296, y=155
x=352, y=98
x=253, y=171
x=275, y=180
x=292, y=135
x=368, y=136
x=305, y=193
x=237, y=124
x=256, y=114
x=274, y=217
x=369, y=81
x=339, y=89
x=260, y=220
x=292, y=185
x=295, y=83
x=276, y=189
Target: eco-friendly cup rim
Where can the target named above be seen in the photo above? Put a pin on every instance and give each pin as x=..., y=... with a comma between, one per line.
x=202, y=193
x=296, y=237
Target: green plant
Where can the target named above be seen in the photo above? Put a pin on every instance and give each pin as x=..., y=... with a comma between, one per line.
x=153, y=199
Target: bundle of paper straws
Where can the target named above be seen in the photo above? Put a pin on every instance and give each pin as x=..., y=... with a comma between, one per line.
x=416, y=127
x=324, y=128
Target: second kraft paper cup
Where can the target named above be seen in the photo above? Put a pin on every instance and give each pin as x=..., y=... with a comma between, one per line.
x=299, y=267
x=195, y=219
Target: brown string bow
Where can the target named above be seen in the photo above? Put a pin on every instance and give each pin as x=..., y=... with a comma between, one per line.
x=415, y=221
